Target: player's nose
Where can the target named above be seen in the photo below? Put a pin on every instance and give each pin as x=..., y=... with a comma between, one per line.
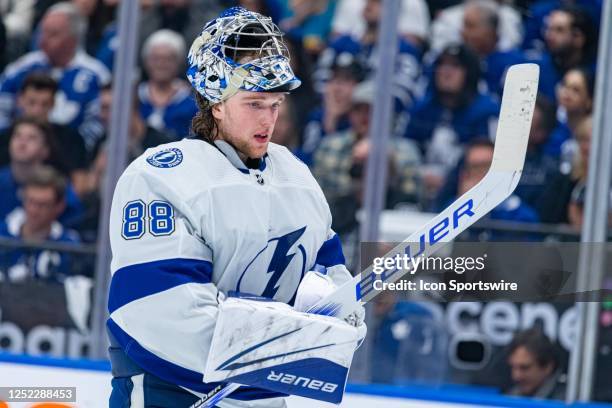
x=267, y=118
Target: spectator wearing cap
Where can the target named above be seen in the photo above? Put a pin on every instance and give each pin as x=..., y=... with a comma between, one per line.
x=36, y=99
x=406, y=78
x=451, y=114
x=534, y=365
x=571, y=42
x=340, y=164
x=340, y=161
x=31, y=145
x=78, y=75
x=480, y=28
x=413, y=20
x=332, y=115
x=166, y=102
x=44, y=199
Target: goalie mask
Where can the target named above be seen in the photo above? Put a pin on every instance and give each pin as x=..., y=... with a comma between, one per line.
x=239, y=50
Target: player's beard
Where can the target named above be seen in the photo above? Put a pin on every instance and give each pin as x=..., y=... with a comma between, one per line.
x=246, y=148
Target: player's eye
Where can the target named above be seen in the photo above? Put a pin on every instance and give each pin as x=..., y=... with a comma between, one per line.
x=255, y=105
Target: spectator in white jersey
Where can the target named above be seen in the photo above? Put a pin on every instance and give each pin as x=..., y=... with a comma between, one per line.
x=79, y=76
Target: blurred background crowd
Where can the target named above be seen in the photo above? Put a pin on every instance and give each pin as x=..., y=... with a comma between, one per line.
x=56, y=61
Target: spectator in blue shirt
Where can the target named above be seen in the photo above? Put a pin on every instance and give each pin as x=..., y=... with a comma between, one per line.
x=79, y=76
x=166, y=102
x=536, y=15
x=31, y=144
x=539, y=166
x=480, y=28
x=43, y=201
x=571, y=41
x=451, y=114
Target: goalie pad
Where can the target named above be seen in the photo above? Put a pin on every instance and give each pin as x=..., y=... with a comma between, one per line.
x=269, y=345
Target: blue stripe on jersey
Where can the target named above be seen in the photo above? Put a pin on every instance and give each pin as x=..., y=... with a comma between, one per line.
x=176, y=374
x=330, y=253
x=137, y=281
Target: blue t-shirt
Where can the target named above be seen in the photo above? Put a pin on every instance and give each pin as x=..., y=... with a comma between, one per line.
x=174, y=119
x=538, y=170
x=25, y=263
x=9, y=191
x=468, y=122
x=494, y=68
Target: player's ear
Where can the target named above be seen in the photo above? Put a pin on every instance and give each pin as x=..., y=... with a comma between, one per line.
x=218, y=110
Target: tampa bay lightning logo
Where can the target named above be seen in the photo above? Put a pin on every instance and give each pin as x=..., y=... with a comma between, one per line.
x=276, y=271
x=166, y=158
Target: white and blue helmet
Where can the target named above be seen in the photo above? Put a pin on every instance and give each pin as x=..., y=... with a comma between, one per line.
x=213, y=69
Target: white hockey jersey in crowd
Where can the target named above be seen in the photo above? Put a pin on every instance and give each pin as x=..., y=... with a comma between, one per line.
x=190, y=220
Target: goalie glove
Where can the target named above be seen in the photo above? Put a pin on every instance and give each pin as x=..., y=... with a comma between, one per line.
x=268, y=344
x=316, y=285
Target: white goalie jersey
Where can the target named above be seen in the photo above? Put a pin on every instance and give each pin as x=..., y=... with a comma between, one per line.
x=191, y=223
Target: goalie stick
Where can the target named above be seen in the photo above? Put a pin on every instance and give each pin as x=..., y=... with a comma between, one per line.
x=518, y=102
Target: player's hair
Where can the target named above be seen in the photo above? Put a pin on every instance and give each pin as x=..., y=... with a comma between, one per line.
x=165, y=37
x=47, y=176
x=203, y=125
x=76, y=22
x=40, y=82
x=537, y=344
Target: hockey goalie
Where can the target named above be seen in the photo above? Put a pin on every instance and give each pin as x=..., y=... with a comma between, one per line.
x=222, y=242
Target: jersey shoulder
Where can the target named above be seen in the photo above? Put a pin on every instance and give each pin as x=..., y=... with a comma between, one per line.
x=187, y=167
x=288, y=168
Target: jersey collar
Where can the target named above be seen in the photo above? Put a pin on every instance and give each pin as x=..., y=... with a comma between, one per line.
x=231, y=154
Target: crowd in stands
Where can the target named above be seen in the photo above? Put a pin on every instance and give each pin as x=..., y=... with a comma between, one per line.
x=56, y=59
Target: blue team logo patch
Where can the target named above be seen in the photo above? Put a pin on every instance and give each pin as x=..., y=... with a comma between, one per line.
x=166, y=158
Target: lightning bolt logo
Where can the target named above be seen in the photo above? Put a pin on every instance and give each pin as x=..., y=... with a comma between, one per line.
x=264, y=274
x=280, y=260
